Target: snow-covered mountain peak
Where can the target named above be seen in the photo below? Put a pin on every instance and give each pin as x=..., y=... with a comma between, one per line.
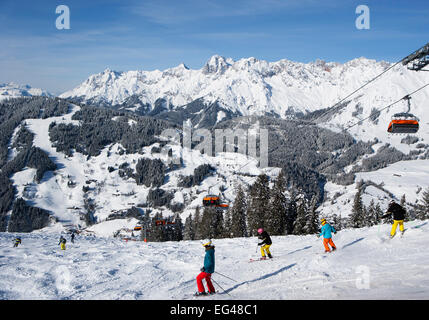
x=216, y=64
x=250, y=86
x=14, y=90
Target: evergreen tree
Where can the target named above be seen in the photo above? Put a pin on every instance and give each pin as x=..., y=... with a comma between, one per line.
x=403, y=203
x=357, y=217
x=189, y=231
x=259, y=206
x=177, y=229
x=197, y=225
x=205, y=226
x=238, y=215
x=422, y=211
x=371, y=215
x=217, y=224
x=156, y=232
x=301, y=215
x=378, y=213
x=312, y=223
x=337, y=222
x=146, y=223
x=227, y=224
x=276, y=224
x=388, y=219
x=291, y=212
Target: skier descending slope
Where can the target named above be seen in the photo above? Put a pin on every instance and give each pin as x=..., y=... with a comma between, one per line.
x=17, y=241
x=62, y=242
x=265, y=243
x=207, y=270
x=326, y=232
x=398, y=213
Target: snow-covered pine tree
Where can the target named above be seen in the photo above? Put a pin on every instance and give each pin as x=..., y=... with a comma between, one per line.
x=216, y=225
x=177, y=229
x=276, y=224
x=227, y=224
x=291, y=213
x=156, y=232
x=388, y=219
x=378, y=213
x=312, y=223
x=422, y=211
x=259, y=204
x=356, y=219
x=403, y=203
x=205, y=225
x=337, y=222
x=197, y=225
x=189, y=231
x=301, y=215
x=238, y=214
x=371, y=215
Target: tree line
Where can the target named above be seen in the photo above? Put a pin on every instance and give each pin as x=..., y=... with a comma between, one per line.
x=367, y=216
x=280, y=211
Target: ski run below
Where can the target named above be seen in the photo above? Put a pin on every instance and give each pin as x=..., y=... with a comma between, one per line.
x=367, y=265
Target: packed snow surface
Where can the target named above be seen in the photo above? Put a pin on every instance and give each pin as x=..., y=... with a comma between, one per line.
x=367, y=265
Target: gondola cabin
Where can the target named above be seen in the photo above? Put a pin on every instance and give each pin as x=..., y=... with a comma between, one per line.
x=211, y=201
x=403, y=123
x=214, y=201
x=160, y=222
x=137, y=228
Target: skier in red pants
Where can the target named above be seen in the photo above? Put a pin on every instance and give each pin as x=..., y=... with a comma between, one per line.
x=207, y=270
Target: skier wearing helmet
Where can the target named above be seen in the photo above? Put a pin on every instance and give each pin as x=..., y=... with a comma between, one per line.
x=326, y=232
x=206, y=270
x=265, y=243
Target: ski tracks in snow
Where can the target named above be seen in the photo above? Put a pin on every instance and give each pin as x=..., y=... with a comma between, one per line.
x=106, y=268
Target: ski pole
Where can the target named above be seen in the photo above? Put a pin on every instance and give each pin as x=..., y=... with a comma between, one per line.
x=220, y=287
x=225, y=276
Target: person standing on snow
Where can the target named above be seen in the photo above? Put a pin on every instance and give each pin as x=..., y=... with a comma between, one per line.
x=17, y=241
x=398, y=213
x=207, y=270
x=265, y=243
x=62, y=242
x=326, y=232
x=72, y=237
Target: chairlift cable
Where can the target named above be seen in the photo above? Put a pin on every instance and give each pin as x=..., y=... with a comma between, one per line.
x=390, y=105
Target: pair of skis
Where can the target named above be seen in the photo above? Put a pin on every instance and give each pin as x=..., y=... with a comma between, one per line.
x=259, y=259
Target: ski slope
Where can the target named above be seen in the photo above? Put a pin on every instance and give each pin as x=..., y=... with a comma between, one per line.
x=407, y=178
x=367, y=265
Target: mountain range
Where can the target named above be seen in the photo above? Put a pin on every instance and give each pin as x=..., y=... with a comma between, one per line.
x=13, y=90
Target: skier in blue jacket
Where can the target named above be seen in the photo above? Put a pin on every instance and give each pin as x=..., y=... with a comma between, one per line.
x=207, y=270
x=326, y=232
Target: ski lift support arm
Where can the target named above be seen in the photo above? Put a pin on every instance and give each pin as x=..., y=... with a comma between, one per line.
x=418, y=59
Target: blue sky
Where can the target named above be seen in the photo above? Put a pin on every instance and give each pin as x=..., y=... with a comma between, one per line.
x=148, y=35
